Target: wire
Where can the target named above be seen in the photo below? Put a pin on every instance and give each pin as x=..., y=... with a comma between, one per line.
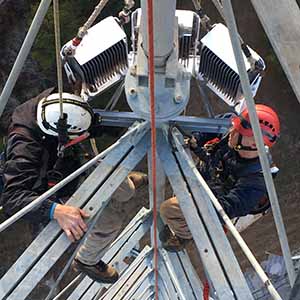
x=153, y=135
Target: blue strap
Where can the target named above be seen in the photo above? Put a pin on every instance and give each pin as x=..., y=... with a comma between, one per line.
x=51, y=214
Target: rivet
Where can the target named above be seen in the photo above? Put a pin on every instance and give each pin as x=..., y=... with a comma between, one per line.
x=178, y=99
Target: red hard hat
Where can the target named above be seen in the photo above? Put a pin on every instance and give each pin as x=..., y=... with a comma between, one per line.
x=268, y=121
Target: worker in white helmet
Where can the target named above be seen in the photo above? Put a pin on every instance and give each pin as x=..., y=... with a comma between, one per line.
x=33, y=165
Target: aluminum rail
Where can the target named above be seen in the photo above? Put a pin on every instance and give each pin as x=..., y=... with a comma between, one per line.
x=23, y=53
x=231, y=227
x=235, y=40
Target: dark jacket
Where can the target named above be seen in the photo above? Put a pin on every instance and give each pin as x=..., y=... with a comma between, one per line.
x=238, y=183
x=30, y=158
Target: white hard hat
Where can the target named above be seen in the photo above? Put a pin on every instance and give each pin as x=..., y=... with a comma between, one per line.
x=80, y=114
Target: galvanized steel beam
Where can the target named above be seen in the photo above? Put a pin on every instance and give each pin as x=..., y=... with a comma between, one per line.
x=121, y=247
x=230, y=20
x=198, y=188
x=141, y=263
x=118, y=166
x=197, y=227
x=185, y=273
x=187, y=123
x=281, y=21
x=23, y=53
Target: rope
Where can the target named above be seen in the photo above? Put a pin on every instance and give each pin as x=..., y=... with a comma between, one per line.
x=70, y=50
x=153, y=135
x=197, y=4
x=206, y=290
x=57, y=52
x=94, y=146
x=82, y=30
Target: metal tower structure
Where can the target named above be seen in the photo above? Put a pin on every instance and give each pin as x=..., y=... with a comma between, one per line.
x=155, y=273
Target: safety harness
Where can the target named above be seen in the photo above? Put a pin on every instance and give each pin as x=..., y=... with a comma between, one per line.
x=252, y=168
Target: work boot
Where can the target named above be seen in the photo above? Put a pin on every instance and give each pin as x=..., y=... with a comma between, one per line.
x=139, y=179
x=100, y=272
x=170, y=241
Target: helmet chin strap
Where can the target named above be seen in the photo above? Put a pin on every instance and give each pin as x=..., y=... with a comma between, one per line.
x=239, y=146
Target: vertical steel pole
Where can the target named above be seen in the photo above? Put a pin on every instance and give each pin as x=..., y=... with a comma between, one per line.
x=234, y=36
x=164, y=18
x=23, y=53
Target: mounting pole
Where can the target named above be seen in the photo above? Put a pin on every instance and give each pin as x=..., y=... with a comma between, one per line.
x=164, y=18
x=230, y=20
x=172, y=80
x=23, y=53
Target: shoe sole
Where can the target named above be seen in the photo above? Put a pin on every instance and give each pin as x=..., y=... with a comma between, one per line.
x=90, y=275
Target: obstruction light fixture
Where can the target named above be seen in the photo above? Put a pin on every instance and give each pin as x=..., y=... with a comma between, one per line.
x=219, y=69
x=100, y=60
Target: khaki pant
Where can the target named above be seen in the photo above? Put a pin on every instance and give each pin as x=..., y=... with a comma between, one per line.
x=108, y=225
x=172, y=215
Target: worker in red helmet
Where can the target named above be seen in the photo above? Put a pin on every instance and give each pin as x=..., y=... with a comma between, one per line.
x=230, y=166
x=268, y=121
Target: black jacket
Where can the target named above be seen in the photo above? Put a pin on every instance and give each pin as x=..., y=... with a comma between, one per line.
x=30, y=158
x=238, y=183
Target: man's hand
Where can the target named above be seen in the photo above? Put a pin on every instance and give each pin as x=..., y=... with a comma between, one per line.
x=70, y=219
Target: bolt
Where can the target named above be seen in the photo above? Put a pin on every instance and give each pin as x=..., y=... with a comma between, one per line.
x=132, y=92
x=133, y=70
x=178, y=99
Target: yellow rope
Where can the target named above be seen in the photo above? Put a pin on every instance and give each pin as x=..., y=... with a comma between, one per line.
x=82, y=30
x=197, y=4
x=94, y=146
x=57, y=51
